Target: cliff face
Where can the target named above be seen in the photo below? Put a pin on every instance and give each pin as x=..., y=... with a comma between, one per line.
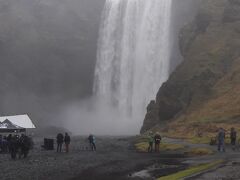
x=205, y=87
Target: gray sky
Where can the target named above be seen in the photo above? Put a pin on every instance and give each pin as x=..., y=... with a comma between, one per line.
x=47, y=53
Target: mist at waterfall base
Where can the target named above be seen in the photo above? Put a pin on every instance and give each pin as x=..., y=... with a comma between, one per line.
x=95, y=116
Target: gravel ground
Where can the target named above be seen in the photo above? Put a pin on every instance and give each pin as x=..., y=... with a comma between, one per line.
x=115, y=159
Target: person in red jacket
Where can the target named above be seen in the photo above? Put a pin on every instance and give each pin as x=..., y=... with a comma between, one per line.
x=67, y=141
x=233, y=136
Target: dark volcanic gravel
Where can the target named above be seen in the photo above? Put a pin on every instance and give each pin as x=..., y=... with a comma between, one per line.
x=115, y=159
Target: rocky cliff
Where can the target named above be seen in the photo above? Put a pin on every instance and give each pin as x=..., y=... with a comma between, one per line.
x=204, y=90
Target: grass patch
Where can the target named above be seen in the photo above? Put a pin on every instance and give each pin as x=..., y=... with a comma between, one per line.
x=191, y=171
x=171, y=147
x=205, y=140
x=199, y=140
x=199, y=152
x=143, y=147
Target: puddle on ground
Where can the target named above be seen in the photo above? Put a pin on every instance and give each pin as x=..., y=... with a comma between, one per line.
x=155, y=171
x=142, y=174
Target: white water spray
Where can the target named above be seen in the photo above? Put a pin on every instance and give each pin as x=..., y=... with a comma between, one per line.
x=133, y=56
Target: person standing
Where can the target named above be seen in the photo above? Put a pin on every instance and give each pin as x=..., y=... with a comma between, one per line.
x=13, y=147
x=60, y=139
x=157, y=139
x=21, y=146
x=150, y=142
x=25, y=145
x=1, y=144
x=67, y=141
x=5, y=144
x=9, y=139
x=92, y=141
x=221, y=140
x=233, y=136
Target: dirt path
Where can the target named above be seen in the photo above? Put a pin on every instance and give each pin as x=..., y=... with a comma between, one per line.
x=229, y=170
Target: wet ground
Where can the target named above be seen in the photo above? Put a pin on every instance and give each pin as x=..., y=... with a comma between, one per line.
x=115, y=159
x=229, y=170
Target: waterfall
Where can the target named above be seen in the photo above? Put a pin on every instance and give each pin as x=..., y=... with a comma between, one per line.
x=133, y=55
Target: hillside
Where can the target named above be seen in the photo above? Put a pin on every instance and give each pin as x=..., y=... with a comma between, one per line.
x=203, y=93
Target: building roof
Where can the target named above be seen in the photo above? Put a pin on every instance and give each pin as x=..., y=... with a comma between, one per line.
x=22, y=121
x=9, y=125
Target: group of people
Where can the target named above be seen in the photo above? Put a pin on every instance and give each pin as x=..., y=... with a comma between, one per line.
x=221, y=139
x=63, y=139
x=154, y=139
x=66, y=140
x=15, y=144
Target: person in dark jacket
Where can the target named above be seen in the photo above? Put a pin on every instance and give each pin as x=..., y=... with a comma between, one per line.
x=233, y=136
x=21, y=146
x=25, y=145
x=157, y=139
x=92, y=141
x=67, y=141
x=13, y=146
x=4, y=145
x=1, y=143
x=60, y=139
x=221, y=140
x=9, y=138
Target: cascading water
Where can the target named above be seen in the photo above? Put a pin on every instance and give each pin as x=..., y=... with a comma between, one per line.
x=133, y=55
